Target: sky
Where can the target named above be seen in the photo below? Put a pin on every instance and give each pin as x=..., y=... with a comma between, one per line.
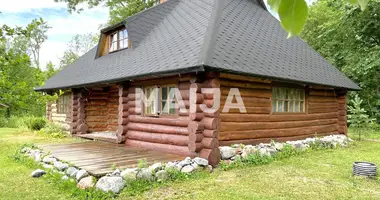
x=64, y=25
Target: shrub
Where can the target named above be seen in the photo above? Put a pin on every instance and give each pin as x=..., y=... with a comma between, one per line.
x=358, y=117
x=53, y=130
x=36, y=124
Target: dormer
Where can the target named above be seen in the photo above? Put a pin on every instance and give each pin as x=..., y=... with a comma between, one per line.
x=113, y=39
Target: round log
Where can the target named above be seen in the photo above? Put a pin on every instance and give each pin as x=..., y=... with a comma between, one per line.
x=212, y=114
x=122, y=121
x=195, y=138
x=155, y=128
x=196, y=116
x=212, y=83
x=82, y=128
x=178, y=140
x=195, y=147
x=210, y=133
x=134, y=97
x=180, y=150
x=123, y=107
x=134, y=111
x=121, y=139
x=210, y=123
x=180, y=121
x=212, y=155
x=184, y=86
x=195, y=127
x=210, y=143
x=123, y=100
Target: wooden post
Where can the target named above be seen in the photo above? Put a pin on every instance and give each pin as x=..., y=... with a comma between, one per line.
x=123, y=113
x=81, y=127
x=342, y=110
x=210, y=143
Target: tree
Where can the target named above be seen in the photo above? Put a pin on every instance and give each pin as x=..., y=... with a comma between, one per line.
x=350, y=39
x=357, y=117
x=79, y=45
x=37, y=36
x=17, y=77
x=118, y=9
x=121, y=9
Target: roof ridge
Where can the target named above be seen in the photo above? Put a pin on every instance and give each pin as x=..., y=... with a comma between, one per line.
x=209, y=40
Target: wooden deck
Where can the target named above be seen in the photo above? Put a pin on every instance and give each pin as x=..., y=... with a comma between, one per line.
x=99, y=157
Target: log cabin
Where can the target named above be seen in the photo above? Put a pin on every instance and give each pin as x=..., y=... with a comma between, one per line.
x=235, y=47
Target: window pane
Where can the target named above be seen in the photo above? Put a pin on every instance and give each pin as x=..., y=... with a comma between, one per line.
x=164, y=93
x=165, y=107
x=286, y=104
x=274, y=93
x=280, y=106
x=297, y=108
x=171, y=93
x=172, y=107
x=301, y=104
x=291, y=106
x=274, y=105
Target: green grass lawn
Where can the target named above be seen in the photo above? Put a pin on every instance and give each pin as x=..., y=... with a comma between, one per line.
x=324, y=174
x=15, y=180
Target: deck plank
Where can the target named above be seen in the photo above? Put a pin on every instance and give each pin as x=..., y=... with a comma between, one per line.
x=98, y=157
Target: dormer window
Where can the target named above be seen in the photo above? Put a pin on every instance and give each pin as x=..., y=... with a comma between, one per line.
x=118, y=40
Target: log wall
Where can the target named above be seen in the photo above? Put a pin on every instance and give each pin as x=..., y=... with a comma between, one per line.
x=325, y=114
x=102, y=109
x=163, y=133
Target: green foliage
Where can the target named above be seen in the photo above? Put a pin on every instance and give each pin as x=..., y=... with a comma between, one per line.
x=26, y=123
x=293, y=15
x=357, y=116
x=53, y=130
x=18, y=77
x=257, y=159
x=119, y=10
x=79, y=45
x=142, y=163
x=349, y=39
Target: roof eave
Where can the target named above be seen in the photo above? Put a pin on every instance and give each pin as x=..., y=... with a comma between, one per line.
x=209, y=68
x=199, y=68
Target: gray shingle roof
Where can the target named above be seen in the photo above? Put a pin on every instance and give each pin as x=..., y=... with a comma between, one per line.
x=178, y=36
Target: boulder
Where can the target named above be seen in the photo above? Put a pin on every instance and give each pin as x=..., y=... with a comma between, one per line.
x=264, y=152
x=116, y=172
x=61, y=166
x=156, y=167
x=129, y=174
x=87, y=182
x=187, y=169
x=47, y=166
x=201, y=161
x=72, y=171
x=162, y=175
x=49, y=159
x=81, y=174
x=38, y=173
x=184, y=163
x=171, y=165
x=110, y=183
x=145, y=174
x=37, y=157
x=227, y=152
x=65, y=178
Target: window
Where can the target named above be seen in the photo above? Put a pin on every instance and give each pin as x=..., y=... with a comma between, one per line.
x=63, y=104
x=168, y=100
x=288, y=100
x=119, y=40
x=161, y=100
